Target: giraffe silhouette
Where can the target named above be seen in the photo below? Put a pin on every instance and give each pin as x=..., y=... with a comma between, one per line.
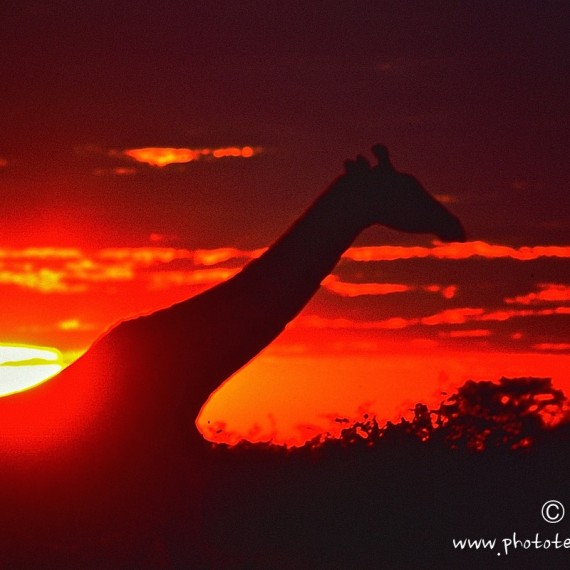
x=103, y=464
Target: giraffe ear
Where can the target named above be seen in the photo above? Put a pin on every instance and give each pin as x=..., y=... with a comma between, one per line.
x=357, y=166
x=381, y=153
x=362, y=163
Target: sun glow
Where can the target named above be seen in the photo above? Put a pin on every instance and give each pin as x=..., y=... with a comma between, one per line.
x=23, y=367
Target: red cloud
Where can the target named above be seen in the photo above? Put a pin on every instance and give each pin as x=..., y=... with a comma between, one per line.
x=162, y=156
x=334, y=284
x=456, y=251
x=548, y=292
x=456, y=316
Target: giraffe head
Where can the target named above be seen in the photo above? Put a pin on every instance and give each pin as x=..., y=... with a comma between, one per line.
x=398, y=200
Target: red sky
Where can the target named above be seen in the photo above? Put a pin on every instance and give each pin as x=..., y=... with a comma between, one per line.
x=264, y=101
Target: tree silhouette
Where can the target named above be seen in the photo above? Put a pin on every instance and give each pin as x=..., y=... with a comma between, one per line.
x=512, y=413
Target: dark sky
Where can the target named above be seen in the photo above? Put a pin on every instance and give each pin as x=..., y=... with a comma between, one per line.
x=470, y=97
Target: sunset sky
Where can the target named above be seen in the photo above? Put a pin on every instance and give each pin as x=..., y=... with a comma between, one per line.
x=150, y=149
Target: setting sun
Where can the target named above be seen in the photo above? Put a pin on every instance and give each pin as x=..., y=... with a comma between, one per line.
x=23, y=367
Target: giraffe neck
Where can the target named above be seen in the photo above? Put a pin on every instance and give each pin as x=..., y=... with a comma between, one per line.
x=294, y=266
